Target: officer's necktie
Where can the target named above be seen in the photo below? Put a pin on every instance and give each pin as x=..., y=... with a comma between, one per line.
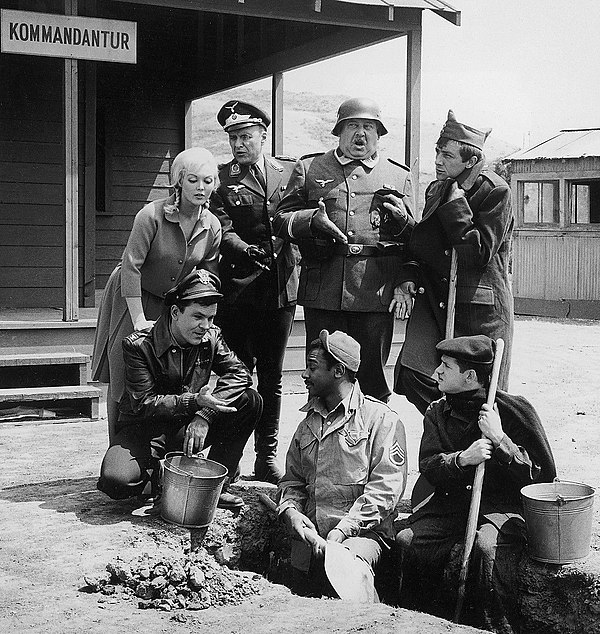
x=259, y=176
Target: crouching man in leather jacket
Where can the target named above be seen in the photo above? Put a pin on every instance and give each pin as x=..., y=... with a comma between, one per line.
x=166, y=405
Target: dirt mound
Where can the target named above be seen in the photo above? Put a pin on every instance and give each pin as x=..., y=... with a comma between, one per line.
x=194, y=581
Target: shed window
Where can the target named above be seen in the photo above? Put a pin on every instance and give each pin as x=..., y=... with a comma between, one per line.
x=584, y=200
x=539, y=202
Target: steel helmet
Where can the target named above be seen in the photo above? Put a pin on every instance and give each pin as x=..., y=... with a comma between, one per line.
x=358, y=108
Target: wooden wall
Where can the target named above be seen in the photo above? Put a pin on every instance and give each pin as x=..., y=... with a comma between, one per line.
x=32, y=179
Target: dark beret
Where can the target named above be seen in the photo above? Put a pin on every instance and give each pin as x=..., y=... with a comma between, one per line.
x=476, y=350
x=198, y=284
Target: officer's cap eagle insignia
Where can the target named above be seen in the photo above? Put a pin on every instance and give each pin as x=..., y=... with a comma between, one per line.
x=236, y=188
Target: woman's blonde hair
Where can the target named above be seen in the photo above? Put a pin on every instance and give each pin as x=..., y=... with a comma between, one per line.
x=187, y=160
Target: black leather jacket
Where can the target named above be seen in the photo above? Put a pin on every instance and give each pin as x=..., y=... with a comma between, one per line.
x=162, y=379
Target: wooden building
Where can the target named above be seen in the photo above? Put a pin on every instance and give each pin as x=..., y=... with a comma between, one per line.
x=84, y=144
x=556, y=193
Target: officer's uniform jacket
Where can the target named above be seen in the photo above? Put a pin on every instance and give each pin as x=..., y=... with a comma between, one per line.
x=245, y=214
x=346, y=469
x=479, y=226
x=163, y=380
x=360, y=276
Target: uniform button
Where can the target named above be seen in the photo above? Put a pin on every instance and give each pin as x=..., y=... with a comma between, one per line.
x=351, y=213
x=442, y=305
x=180, y=261
x=447, y=252
x=469, y=487
x=354, y=177
x=350, y=233
x=273, y=238
x=421, y=290
x=237, y=202
x=173, y=350
x=172, y=279
x=444, y=279
x=352, y=195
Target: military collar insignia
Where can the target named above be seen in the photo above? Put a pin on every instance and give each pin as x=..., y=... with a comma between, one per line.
x=236, y=188
x=323, y=182
x=235, y=169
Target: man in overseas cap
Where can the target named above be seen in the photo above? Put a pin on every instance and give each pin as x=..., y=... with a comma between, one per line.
x=467, y=209
x=258, y=270
x=346, y=464
x=350, y=210
x=459, y=432
x=167, y=407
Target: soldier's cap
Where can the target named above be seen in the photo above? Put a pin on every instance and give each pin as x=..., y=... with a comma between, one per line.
x=476, y=350
x=238, y=114
x=342, y=347
x=463, y=133
x=199, y=284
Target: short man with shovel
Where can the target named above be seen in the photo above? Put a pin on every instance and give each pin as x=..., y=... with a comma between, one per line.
x=167, y=405
x=461, y=431
x=346, y=464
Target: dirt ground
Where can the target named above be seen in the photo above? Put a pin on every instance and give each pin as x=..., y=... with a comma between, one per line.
x=55, y=527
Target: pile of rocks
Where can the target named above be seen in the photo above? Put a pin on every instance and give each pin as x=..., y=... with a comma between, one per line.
x=194, y=582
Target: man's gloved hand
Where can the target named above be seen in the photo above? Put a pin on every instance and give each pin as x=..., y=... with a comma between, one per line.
x=259, y=257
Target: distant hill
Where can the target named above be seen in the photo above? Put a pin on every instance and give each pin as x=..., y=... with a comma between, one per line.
x=308, y=120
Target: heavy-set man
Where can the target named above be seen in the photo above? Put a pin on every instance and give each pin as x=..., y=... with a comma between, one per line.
x=346, y=464
x=460, y=432
x=258, y=271
x=166, y=405
x=467, y=208
x=350, y=210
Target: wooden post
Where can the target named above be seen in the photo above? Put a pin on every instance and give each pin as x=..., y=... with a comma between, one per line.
x=89, y=226
x=413, y=104
x=71, y=304
x=277, y=114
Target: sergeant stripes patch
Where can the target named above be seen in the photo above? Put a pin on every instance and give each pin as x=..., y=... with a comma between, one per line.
x=397, y=454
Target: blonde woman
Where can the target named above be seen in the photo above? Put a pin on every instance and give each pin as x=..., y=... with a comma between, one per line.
x=170, y=237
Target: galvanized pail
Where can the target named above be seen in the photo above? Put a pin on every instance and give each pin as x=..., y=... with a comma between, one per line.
x=558, y=516
x=191, y=489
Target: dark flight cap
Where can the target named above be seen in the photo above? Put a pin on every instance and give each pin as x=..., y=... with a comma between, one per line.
x=342, y=347
x=462, y=133
x=475, y=350
x=198, y=284
x=239, y=114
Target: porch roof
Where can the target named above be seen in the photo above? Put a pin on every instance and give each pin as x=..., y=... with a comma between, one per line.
x=570, y=143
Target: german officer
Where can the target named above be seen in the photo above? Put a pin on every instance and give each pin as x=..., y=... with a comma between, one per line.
x=467, y=208
x=258, y=271
x=350, y=210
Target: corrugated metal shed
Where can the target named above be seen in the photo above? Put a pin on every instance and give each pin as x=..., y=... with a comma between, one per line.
x=567, y=144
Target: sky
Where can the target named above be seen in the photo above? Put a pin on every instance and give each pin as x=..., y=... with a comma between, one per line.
x=526, y=68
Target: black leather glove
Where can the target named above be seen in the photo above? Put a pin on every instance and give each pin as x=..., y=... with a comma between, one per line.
x=259, y=257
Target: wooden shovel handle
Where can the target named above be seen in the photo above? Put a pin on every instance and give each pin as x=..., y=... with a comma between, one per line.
x=476, y=492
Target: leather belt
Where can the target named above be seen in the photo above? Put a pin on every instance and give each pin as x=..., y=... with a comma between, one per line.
x=365, y=250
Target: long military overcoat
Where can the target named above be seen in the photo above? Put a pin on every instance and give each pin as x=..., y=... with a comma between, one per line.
x=479, y=226
x=363, y=281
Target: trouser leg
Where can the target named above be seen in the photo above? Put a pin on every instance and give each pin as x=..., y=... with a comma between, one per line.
x=419, y=389
x=229, y=433
x=270, y=341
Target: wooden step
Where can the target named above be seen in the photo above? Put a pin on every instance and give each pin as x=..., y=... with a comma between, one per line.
x=42, y=369
x=68, y=400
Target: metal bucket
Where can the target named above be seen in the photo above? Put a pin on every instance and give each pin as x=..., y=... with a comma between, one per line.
x=191, y=489
x=558, y=516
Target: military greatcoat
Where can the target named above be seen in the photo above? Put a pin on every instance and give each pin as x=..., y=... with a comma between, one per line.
x=245, y=214
x=479, y=226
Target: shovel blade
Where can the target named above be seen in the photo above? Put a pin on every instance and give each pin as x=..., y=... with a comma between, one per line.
x=350, y=576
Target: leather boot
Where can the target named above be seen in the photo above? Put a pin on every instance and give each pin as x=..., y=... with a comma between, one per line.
x=229, y=500
x=265, y=446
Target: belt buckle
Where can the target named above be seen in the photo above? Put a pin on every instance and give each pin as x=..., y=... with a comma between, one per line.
x=355, y=249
